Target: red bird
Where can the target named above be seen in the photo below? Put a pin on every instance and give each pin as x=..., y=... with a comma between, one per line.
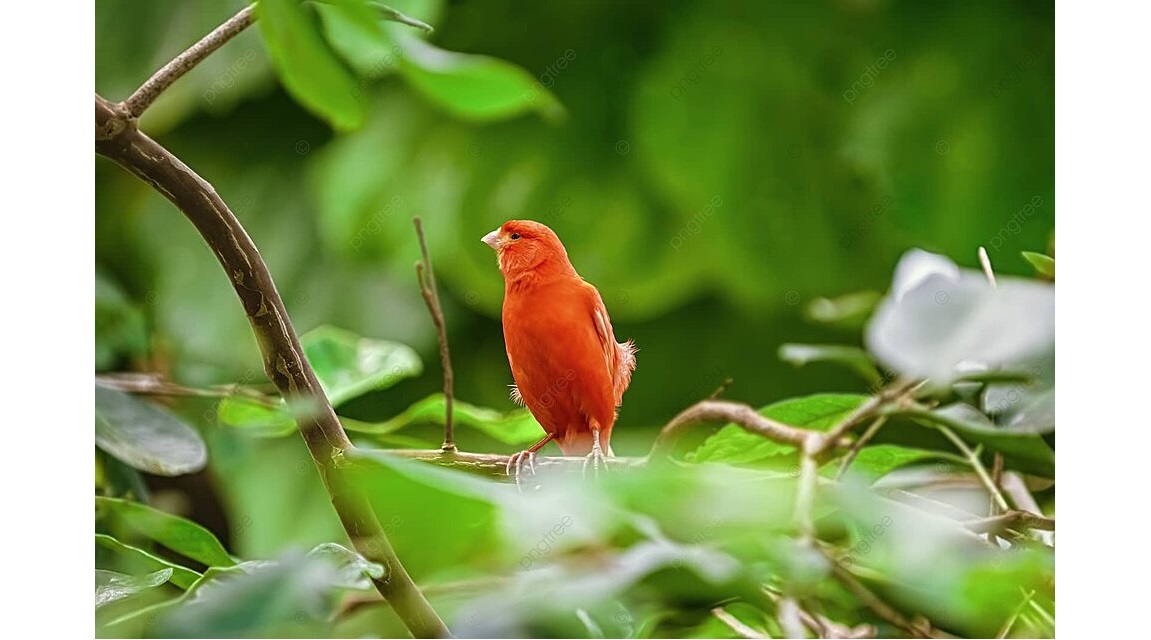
x=569, y=370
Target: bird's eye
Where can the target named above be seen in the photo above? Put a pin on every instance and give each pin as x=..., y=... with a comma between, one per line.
x=515, y=236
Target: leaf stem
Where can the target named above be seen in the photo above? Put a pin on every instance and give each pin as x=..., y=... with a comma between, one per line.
x=427, y=280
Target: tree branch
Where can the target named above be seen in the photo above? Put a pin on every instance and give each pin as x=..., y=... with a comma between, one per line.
x=427, y=280
x=142, y=98
x=118, y=139
x=723, y=411
x=495, y=465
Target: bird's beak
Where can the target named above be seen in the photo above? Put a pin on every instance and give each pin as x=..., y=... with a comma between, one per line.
x=492, y=239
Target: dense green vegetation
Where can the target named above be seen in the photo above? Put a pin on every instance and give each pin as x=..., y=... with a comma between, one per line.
x=747, y=184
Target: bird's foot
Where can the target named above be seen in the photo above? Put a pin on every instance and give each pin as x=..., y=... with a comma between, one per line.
x=596, y=458
x=519, y=461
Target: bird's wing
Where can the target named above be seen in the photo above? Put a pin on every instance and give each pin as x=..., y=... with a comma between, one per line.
x=619, y=357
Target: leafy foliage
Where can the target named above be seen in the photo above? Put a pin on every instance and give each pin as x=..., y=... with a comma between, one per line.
x=653, y=549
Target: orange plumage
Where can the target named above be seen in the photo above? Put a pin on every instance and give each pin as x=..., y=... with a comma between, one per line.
x=569, y=370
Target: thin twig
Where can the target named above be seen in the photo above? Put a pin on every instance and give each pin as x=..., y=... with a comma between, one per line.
x=719, y=391
x=977, y=465
x=857, y=446
x=143, y=97
x=427, y=280
x=805, y=494
x=892, y=395
x=874, y=602
x=283, y=357
x=1013, y=519
x=1015, y=614
x=736, y=624
x=155, y=385
x=712, y=411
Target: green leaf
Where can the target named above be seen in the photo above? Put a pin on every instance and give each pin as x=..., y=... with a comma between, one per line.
x=1023, y=451
x=1045, y=265
x=514, y=427
x=355, y=571
x=853, y=357
x=848, y=311
x=733, y=445
x=349, y=366
x=879, y=460
x=120, y=326
x=113, y=587
x=435, y=518
x=182, y=577
x=178, y=534
x=475, y=87
x=290, y=597
x=146, y=436
x=355, y=31
x=310, y=71
x=255, y=418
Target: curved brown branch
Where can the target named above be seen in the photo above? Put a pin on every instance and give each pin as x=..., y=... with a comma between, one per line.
x=142, y=98
x=712, y=411
x=118, y=139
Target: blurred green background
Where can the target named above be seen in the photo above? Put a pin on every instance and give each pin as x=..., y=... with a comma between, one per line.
x=718, y=165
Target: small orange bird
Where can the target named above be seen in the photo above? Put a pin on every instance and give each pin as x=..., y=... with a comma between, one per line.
x=569, y=370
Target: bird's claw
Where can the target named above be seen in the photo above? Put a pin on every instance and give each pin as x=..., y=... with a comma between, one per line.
x=516, y=460
x=596, y=458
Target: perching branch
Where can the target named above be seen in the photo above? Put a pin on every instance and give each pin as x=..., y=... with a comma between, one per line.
x=143, y=97
x=495, y=465
x=427, y=280
x=118, y=139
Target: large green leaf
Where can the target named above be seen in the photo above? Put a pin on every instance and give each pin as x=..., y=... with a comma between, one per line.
x=113, y=587
x=182, y=577
x=145, y=436
x=310, y=71
x=178, y=534
x=349, y=365
x=733, y=445
x=473, y=86
x=514, y=427
x=435, y=518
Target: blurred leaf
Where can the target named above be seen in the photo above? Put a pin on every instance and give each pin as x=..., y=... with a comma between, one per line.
x=255, y=418
x=178, y=534
x=514, y=427
x=146, y=436
x=355, y=571
x=1026, y=452
x=473, y=86
x=309, y=70
x=1045, y=265
x=435, y=518
x=1036, y=412
x=293, y=596
x=120, y=327
x=936, y=320
x=853, y=357
x=733, y=445
x=182, y=577
x=353, y=28
x=112, y=587
x=849, y=311
x=349, y=366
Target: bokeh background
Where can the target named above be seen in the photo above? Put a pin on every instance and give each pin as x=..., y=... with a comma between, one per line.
x=716, y=167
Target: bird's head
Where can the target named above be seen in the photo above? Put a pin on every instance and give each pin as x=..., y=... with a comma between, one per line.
x=527, y=246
